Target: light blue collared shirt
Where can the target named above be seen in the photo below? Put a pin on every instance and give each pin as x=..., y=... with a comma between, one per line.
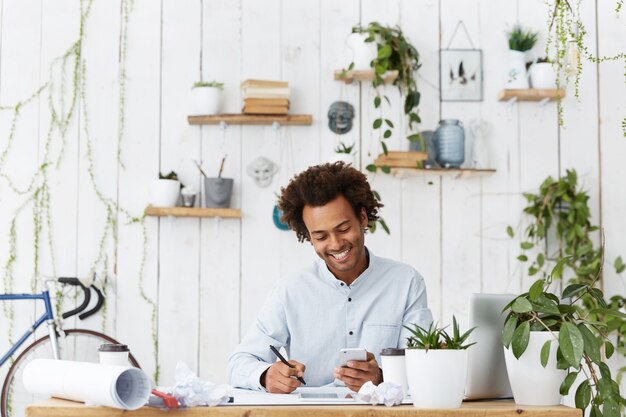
x=313, y=315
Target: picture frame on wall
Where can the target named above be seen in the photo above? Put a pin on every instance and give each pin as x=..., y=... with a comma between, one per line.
x=461, y=74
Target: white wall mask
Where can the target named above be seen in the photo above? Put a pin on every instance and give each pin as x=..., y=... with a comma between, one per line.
x=262, y=170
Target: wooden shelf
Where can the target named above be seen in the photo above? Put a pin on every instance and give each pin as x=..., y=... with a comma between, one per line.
x=402, y=172
x=251, y=119
x=230, y=213
x=364, y=75
x=531, y=94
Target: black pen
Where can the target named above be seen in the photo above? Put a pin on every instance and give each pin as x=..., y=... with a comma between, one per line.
x=277, y=353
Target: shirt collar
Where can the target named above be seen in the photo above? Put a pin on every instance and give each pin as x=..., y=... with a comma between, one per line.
x=330, y=278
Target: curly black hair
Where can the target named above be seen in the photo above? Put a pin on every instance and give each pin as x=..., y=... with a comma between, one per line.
x=320, y=184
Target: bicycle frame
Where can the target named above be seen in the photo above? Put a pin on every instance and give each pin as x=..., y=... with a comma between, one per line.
x=47, y=316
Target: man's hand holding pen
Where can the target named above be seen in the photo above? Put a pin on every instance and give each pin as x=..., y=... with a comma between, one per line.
x=282, y=379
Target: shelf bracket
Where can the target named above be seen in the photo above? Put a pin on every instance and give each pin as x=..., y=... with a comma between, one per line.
x=511, y=101
x=275, y=128
x=223, y=127
x=543, y=102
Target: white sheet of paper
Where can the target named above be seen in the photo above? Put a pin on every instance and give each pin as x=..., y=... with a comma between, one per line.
x=122, y=387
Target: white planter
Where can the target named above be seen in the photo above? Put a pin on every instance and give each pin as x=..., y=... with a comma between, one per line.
x=164, y=193
x=531, y=383
x=542, y=76
x=362, y=52
x=205, y=101
x=517, y=76
x=436, y=377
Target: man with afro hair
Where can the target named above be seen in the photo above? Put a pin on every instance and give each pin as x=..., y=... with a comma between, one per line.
x=349, y=298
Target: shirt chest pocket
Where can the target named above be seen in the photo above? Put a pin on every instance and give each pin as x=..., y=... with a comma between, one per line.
x=377, y=336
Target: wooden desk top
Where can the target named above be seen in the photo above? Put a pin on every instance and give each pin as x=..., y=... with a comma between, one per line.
x=505, y=408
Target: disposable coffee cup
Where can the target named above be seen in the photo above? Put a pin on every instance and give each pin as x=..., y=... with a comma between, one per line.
x=114, y=354
x=218, y=192
x=394, y=367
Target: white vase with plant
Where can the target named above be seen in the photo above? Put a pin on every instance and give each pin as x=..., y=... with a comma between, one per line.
x=436, y=365
x=205, y=98
x=520, y=41
x=344, y=153
x=542, y=74
x=165, y=191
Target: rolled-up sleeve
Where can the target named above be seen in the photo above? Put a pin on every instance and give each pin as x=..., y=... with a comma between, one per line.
x=253, y=355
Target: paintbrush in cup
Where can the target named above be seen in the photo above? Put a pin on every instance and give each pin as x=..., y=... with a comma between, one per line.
x=219, y=174
x=200, y=168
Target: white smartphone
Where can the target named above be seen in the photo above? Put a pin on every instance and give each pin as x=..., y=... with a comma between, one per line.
x=351, y=354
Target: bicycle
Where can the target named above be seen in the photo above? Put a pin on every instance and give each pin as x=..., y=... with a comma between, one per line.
x=71, y=344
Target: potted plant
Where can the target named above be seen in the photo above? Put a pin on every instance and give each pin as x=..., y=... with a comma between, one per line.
x=393, y=52
x=520, y=41
x=542, y=74
x=561, y=210
x=164, y=192
x=566, y=343
x=344, y=153
x=205, y=97
x=436, y=365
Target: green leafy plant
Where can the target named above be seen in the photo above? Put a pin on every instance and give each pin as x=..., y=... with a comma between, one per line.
x=372, y=226
x=521, y=39
x=581, y=341
x=394, y=52
x=208, y=84
x=171, y=176
x=343, y=148
x=437, y=338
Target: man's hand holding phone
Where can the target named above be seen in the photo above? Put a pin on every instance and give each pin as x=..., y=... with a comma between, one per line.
x=357, y=366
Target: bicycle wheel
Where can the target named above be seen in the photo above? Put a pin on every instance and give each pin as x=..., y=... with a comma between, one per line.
x=77, y=345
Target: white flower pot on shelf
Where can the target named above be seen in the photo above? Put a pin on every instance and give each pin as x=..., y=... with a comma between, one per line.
x=164, y=193
x=436, y=377
x=542, y=76
x=205, y=101
x=531, y=383
x=362, y=52
x=517, y=76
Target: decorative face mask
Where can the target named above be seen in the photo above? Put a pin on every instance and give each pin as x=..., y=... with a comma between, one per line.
x=340, y=115
x=262, y=170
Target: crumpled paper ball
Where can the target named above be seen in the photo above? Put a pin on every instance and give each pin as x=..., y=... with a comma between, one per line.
x=386, y=393
x=190, y=391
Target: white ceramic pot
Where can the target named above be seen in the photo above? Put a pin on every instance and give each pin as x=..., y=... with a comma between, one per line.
x=517, y=76
x=542, y=75
x=362, y=52
x=436, y=377
x=531, y=383
x=164, y=193
x=205, y=101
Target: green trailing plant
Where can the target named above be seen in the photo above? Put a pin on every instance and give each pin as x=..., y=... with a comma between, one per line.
x=394, y=52
x=437, y=338
x=208, y=84
x=581, y=341
x=372, y=225
x=560, y=210
x=63, y=105
x=521, y=39
x=566, y=46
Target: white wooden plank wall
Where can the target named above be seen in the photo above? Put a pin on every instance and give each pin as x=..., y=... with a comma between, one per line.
x=208, y=278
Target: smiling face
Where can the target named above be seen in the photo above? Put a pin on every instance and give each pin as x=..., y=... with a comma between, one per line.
x=338, y=237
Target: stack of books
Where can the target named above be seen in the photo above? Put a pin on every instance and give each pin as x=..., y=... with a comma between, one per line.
x=265, y=97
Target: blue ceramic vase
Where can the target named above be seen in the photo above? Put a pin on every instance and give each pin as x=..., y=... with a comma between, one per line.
x=450, y=143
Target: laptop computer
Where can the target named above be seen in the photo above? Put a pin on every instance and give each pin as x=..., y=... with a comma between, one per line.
x=486, y=369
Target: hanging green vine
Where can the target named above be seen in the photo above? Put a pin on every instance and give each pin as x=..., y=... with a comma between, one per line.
x=37, y=192
x=566, y=34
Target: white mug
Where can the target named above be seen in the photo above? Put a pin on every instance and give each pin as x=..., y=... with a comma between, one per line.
x=114, y=354
x=394, y=367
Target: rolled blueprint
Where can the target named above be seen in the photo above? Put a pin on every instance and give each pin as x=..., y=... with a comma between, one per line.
x=113, y=386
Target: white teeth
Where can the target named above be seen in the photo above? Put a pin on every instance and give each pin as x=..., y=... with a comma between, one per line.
x=341, y=255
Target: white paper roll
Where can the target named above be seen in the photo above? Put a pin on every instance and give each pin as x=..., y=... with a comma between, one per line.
x=112, y=386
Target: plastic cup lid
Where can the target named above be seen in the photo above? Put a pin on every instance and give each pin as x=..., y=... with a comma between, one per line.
x=392, y=352
x=111, y=347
